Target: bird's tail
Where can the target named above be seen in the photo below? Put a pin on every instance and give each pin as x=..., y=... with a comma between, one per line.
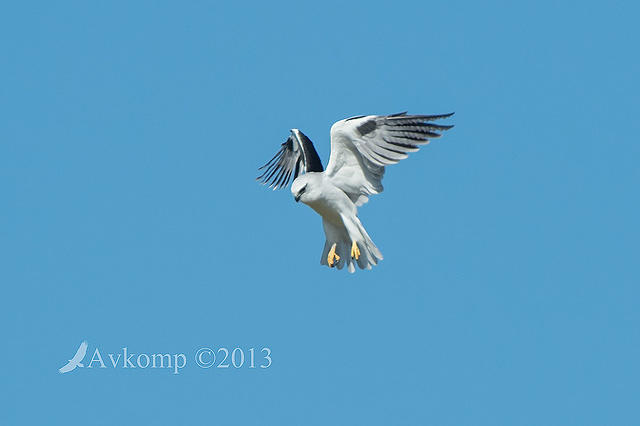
x=370, y=253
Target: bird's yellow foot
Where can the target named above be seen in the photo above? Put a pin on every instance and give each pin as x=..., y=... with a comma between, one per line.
x=355, y=251
x=332, y=257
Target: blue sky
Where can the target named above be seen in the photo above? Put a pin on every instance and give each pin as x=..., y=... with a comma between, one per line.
x=131, y=134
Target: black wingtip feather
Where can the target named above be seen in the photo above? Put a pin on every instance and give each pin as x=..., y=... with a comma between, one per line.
x=290, y=160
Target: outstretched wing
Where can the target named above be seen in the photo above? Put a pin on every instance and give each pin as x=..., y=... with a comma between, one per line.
x=362, y=146
x=297, y=155
x=80, y=353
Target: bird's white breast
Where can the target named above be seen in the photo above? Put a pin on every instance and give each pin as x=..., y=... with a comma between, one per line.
x=331, y=202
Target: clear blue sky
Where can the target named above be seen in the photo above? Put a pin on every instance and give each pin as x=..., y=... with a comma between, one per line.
x=130, y=135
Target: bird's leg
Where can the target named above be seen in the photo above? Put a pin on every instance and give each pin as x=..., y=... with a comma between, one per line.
x=332, y=257
x=355, y=251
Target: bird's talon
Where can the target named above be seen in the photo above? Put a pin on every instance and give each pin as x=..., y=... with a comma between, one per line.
x=355, y=251
x=332, y=257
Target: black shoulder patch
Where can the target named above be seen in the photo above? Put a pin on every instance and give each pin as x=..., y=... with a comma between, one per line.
x=367, y=127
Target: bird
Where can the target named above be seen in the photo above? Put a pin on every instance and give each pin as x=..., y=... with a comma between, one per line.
x=75, y=361
x=361, y=148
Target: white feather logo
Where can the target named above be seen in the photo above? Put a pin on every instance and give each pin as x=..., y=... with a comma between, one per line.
x=76, y=360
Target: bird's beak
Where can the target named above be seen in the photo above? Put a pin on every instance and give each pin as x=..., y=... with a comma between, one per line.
x=297, y=198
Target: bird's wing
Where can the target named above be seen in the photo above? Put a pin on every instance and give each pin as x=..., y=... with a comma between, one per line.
x=296, y=155
x=362, y=146
x=80, y=353
x=67, y=367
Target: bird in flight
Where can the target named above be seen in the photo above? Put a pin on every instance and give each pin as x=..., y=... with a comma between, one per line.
x=76, y=360
x=361, y=148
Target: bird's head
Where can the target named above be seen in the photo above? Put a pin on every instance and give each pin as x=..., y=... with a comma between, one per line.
x=299, y=187
x=304, y=187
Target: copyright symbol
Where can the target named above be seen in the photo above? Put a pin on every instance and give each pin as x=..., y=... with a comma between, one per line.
x=205, y=357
